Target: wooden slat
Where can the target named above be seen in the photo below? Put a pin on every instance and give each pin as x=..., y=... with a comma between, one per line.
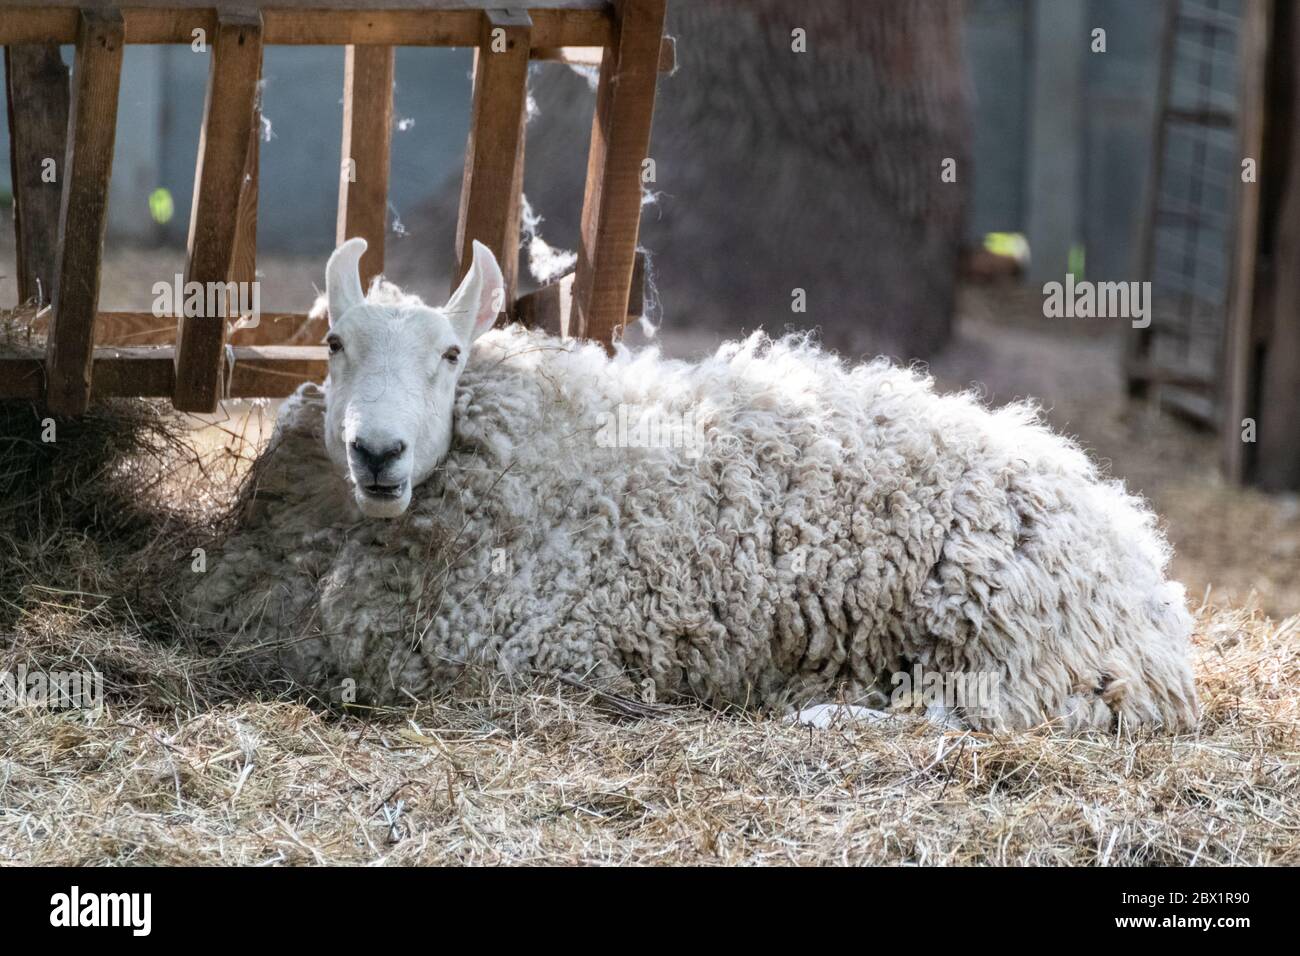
x=458, y=28
x=620, y=139
x=549, y=309
x=36, y=83
x=1274, y=460
x=493, y=179
x=636, y=298
x=556, y=23
x=275, y=371
x=1239, y=366
x=590, y=56
x=228, y=115
x=143, y=373
x=367, y=136
x=260, y=372
x=1153, y=374
x=87, y=168
x=22, y=378
x=243, y=268
x=539, y=309
x=127, y=329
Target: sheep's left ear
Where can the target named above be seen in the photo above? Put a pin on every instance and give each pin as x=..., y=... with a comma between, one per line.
x=475, y=305
x=343, y=278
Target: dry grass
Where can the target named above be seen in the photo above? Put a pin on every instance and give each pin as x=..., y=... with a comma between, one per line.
x=198, y=759
x=190, y=763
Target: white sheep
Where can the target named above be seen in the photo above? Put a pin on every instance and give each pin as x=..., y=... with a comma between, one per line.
x=766, y=527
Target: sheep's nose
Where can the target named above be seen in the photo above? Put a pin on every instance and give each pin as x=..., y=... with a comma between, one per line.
x=377, y=459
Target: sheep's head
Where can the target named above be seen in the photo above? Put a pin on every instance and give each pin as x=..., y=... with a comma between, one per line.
x=393, y=370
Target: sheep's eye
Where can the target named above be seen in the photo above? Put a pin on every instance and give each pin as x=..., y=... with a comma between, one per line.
x=452, y=354
x=335, y=343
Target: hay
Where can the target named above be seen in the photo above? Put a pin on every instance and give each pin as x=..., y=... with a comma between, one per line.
x=197, y=758
x=186, y=767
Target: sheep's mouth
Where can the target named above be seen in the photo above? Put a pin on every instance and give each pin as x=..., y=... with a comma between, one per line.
x=384, y=492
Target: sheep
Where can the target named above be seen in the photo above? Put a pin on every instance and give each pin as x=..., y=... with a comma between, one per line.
x=768, y=527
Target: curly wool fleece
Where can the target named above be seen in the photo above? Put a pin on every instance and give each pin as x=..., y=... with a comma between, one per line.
x=825, y=526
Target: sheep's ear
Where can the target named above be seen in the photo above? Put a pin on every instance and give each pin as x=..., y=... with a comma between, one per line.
x=474, y=306
x=343, y=277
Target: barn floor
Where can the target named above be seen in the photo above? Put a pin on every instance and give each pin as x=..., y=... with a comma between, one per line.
x=194, y=763
x=197, y=760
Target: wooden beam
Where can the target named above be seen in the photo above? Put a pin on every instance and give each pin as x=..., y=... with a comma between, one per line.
x=548, y=309
x=620, y=140
x=228, y=116
x=142, y=373
x=36, y=83
x=259, y=372
x=276, y=371
x=1239, y=360
x=1275, y=379
x=556, y=23
x=1152, y=374
x=22, y=378
x=540, y=309
x=122, y=329
x=367, y=136
x=243, y=268
x=87, y=169
x=493, y=181
x=590, y=56
x=551, y=27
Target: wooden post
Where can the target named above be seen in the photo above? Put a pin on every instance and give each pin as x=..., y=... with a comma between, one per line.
x=228, y=116
x=36, y=81
x=87, y=168
x=493, y=182
x=1274, y=383
x=243, y=267
x=1239, y=346
x=620, y=139
x=367, y=137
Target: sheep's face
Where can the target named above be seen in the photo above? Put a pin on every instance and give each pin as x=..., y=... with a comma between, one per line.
x=393, y=370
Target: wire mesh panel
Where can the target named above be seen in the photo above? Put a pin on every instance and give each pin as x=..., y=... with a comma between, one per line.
x=1191, y=213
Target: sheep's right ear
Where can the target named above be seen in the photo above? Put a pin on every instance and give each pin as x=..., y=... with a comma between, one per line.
x=474, y=306
x=343, y=277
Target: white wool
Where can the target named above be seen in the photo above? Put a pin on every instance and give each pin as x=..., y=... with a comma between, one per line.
x=837, y=524
x=589, y=73
x=546, y=264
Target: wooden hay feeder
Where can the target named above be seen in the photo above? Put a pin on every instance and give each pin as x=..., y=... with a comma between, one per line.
x=624, y=36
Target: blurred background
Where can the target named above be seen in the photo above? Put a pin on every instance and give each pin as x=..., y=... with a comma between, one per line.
x=917, y=170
